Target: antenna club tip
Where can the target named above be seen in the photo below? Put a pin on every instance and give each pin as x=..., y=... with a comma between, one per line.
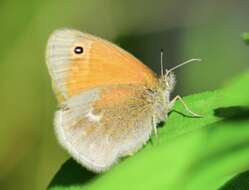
x=197, y=59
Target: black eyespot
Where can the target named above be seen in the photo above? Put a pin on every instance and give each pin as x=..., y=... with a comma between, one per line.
x=78, y=50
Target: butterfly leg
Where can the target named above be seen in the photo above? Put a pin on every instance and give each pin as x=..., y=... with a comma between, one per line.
x=154, y=126
x=172, y=103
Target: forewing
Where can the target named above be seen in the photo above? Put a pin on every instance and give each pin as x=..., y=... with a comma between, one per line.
x=101, y=125
x=101, y=63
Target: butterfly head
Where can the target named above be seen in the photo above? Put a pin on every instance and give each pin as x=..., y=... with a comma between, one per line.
x=165, y=87
x=161, y=95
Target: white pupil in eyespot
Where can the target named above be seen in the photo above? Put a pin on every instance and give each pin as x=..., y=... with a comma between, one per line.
x=78, y=50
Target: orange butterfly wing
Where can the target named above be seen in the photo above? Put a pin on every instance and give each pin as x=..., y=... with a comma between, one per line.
x=101, y=63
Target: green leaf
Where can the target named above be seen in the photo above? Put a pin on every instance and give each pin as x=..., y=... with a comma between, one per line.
x=245, y=37
x=239, y=181
x=191, y=153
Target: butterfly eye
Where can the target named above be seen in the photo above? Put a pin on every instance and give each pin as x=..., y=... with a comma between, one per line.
x=78, y=50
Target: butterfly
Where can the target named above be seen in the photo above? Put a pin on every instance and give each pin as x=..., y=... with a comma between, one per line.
x=109, y=102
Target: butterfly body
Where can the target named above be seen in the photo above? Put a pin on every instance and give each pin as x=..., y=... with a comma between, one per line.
x=109, y=102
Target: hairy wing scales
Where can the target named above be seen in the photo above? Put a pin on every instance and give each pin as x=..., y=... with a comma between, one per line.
x=125, y=125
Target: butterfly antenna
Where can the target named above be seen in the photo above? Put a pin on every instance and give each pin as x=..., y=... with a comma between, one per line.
x=162, y=62
x=184, y=63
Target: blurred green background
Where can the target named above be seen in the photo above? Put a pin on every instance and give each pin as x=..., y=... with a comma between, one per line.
x=211, y=30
